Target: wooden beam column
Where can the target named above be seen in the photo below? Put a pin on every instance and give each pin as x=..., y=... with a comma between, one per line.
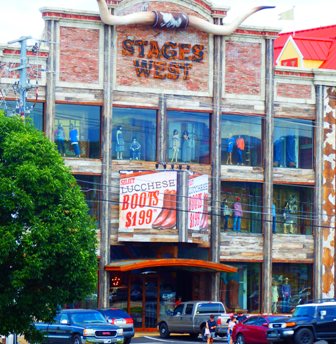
x=105, y=220
x=218, y=57
x=268, y=180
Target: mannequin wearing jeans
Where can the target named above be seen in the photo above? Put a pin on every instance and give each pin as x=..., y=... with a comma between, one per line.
x=286, y=295
x=237, y=215
x=240, y=143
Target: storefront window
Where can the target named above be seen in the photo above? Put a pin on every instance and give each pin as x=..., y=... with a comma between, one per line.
x=77, y=130
x=291, y=286
x=293, y=209
x=34, y=112
x=90, y=186
x=188, y=137
x=134, y=134
x=293, y=143
x=241, y=291
x=241, y=140
x=241, y=208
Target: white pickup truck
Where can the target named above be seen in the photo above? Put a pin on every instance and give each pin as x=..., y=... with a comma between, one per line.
x=191, y=316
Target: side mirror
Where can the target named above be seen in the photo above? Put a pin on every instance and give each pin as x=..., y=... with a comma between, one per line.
x=265, y=324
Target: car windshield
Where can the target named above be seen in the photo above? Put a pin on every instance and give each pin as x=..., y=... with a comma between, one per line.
x=87, y=317
x=304, y=311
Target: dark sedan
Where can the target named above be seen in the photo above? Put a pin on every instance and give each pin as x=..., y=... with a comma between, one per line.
x=122, y=319
x=253, y=329
x=80, y=326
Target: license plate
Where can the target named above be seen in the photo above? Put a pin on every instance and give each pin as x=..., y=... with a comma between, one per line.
x=272, y=334
x=107, y=341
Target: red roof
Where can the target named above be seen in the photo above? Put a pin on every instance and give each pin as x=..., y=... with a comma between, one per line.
x=314, y=44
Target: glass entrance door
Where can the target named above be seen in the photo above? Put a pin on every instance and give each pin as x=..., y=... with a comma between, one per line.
x=144, y=301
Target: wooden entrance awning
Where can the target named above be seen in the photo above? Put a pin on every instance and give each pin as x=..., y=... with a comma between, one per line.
x=186, y=264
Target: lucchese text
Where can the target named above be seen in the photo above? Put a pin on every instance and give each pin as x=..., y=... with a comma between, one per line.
x=150, y=58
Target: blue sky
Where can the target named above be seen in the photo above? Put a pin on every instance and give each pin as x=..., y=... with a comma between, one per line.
x=308, y=13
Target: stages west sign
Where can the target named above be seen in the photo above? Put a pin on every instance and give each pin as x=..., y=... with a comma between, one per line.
x=171, y=60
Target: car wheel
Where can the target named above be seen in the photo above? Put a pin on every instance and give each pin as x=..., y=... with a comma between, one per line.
x=193, y=335
x=240, y=339
x=164, y=331
x=76, y=339
x=303, y=336
x=127, y=340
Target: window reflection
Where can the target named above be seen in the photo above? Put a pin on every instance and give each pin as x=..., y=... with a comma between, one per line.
x=90, y=186
x=291, y=286
x=241, y=140
x=241, y=208
x=293, y=143
x=292, y=209
x=188, y=137
x=134, y=134
x=34, y=112
x=242, y=290
x=77, y=130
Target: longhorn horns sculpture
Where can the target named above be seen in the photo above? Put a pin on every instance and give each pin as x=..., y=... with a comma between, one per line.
x=173, y=20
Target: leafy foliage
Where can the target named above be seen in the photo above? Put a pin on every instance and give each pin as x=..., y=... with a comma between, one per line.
x=48, y=241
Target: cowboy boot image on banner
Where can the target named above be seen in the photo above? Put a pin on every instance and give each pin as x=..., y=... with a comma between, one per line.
x=170, y=220
x=205, y=216
x=166, y=208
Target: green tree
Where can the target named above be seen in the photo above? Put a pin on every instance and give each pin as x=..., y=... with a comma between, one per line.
x=47, y=239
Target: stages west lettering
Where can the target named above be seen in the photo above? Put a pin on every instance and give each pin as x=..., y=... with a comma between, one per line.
x=169, y=61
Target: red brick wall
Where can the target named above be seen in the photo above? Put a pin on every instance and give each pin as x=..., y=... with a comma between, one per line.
x=79, y=51
x=243, y=68
x=293, y=91
x=126, y=71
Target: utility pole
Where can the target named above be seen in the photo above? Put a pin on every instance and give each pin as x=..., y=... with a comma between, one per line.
x=23, y=85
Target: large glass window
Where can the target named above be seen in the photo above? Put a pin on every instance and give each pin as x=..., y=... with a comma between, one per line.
x=241, y=208
x=292, y=209
x=242, y=290
x=188, y=137
x=90, y=186
x=291, y=286
x=241, y=140
x=77, y=130
x=34, y=112
x=134, y=134
x=293, y=143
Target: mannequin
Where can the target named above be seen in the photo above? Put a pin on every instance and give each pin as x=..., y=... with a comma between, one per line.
x=226, y=213
x=288, y=220
x=135, y=149
x=120, y=143
x=231, y=142
x=186, y=154
x=240, y=143
x=237, y=215
x=74, y=140
x=275, y=297
x=286, y=295
x=273, y=218
x=290, y=151
x=176, y=145
x=60, y=138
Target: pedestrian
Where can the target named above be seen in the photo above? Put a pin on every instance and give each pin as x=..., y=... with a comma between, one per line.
x=211, y=327
x=232, y=323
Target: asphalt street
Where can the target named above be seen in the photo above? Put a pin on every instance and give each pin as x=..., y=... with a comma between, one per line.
x=180, y=339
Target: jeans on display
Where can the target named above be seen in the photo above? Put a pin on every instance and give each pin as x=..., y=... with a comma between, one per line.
x=273, y=224
x=236, y=223
x=285, y=304
x=226, y=222
x=290, y=151
x=75, y=147
x=240, y=156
